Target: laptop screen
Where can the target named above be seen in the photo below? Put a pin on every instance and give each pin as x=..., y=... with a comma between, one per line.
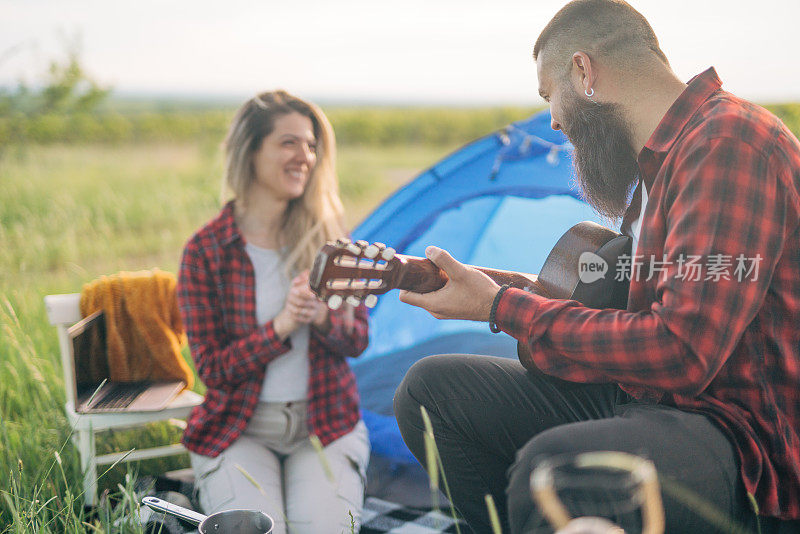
x=90, y=360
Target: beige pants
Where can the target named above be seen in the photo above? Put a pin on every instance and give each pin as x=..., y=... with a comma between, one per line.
x=289, y=481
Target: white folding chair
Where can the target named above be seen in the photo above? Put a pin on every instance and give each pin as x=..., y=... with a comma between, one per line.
x=63, y=311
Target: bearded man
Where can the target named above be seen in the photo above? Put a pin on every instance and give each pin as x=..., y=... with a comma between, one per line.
x=700, y=374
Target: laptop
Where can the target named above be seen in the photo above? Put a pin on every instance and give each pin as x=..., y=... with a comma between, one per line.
x=88, y=350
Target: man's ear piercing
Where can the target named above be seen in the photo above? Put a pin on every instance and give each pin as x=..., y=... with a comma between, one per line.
x=588, y=94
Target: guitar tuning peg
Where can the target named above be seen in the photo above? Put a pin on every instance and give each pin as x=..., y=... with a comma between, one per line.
x=371, y=252
x=370, y=301
x=388, y=253
x=361, y=243
x=354, y=249
x=342, y=241
x=353, y=301
x=335, y=302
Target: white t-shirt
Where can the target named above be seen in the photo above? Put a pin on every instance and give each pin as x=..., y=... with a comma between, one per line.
x=636, y=226
x=287, y=375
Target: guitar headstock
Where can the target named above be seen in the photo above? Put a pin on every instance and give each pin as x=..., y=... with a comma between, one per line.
x=352, y=272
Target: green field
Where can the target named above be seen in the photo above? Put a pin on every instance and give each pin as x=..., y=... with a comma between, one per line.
x=74, y=207
x=70, y=214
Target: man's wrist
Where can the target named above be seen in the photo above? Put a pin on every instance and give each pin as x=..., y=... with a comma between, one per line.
x=493, y=311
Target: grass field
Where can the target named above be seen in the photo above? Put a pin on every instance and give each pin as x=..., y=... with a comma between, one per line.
x=68, y=215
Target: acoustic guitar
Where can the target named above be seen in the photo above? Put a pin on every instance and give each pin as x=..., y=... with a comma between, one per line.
x=582, y=266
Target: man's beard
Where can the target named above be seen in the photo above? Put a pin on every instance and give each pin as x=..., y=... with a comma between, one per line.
x=605, y=162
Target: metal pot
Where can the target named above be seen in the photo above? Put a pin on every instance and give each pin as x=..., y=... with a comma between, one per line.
x=239, y=521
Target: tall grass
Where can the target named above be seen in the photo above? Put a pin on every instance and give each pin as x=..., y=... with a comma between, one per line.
x=69, y=214
x=40, y=488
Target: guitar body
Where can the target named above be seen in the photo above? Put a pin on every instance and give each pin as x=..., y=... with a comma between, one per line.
x=561, y=279
x=582, y=266
x=560, y=274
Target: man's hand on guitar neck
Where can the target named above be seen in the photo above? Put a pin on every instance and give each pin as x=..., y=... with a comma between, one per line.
x=468, y=294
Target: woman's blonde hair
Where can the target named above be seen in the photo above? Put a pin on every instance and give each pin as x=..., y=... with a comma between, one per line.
x=317, y=215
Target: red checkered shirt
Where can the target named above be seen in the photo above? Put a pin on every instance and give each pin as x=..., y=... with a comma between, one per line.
x=723, y=179
x=232, y=352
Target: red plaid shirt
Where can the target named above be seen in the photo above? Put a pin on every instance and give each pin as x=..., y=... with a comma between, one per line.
x=216, y=294
x=723, y=178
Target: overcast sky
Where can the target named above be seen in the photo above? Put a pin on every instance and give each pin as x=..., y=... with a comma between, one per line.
x=415, y=51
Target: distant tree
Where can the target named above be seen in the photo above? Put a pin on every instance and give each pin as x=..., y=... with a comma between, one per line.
x=69, y=89
x=64, y=90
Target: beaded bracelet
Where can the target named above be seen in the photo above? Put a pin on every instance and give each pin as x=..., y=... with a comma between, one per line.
x=492, y=323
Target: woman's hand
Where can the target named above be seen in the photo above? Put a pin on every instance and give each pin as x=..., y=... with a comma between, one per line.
x=310, y=310
x=302, y=307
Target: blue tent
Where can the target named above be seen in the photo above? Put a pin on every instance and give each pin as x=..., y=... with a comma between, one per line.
x=501, y=201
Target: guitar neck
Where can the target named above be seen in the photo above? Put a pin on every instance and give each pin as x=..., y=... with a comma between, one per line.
x=421, y=275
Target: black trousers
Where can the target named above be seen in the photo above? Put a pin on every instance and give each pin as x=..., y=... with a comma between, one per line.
x=493, y=421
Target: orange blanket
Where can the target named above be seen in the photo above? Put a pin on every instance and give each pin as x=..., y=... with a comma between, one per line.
x=144, y=329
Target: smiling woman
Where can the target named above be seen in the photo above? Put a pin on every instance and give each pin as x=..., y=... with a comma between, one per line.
x=270, y=354
x=272, y=136
x=283, y=163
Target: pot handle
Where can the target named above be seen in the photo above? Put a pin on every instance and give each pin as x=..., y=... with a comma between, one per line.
x=180, y=512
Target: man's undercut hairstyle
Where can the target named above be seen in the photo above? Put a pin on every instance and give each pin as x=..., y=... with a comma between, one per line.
x=610, y=29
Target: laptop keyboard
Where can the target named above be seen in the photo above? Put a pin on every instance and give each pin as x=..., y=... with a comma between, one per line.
x=120, y=396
